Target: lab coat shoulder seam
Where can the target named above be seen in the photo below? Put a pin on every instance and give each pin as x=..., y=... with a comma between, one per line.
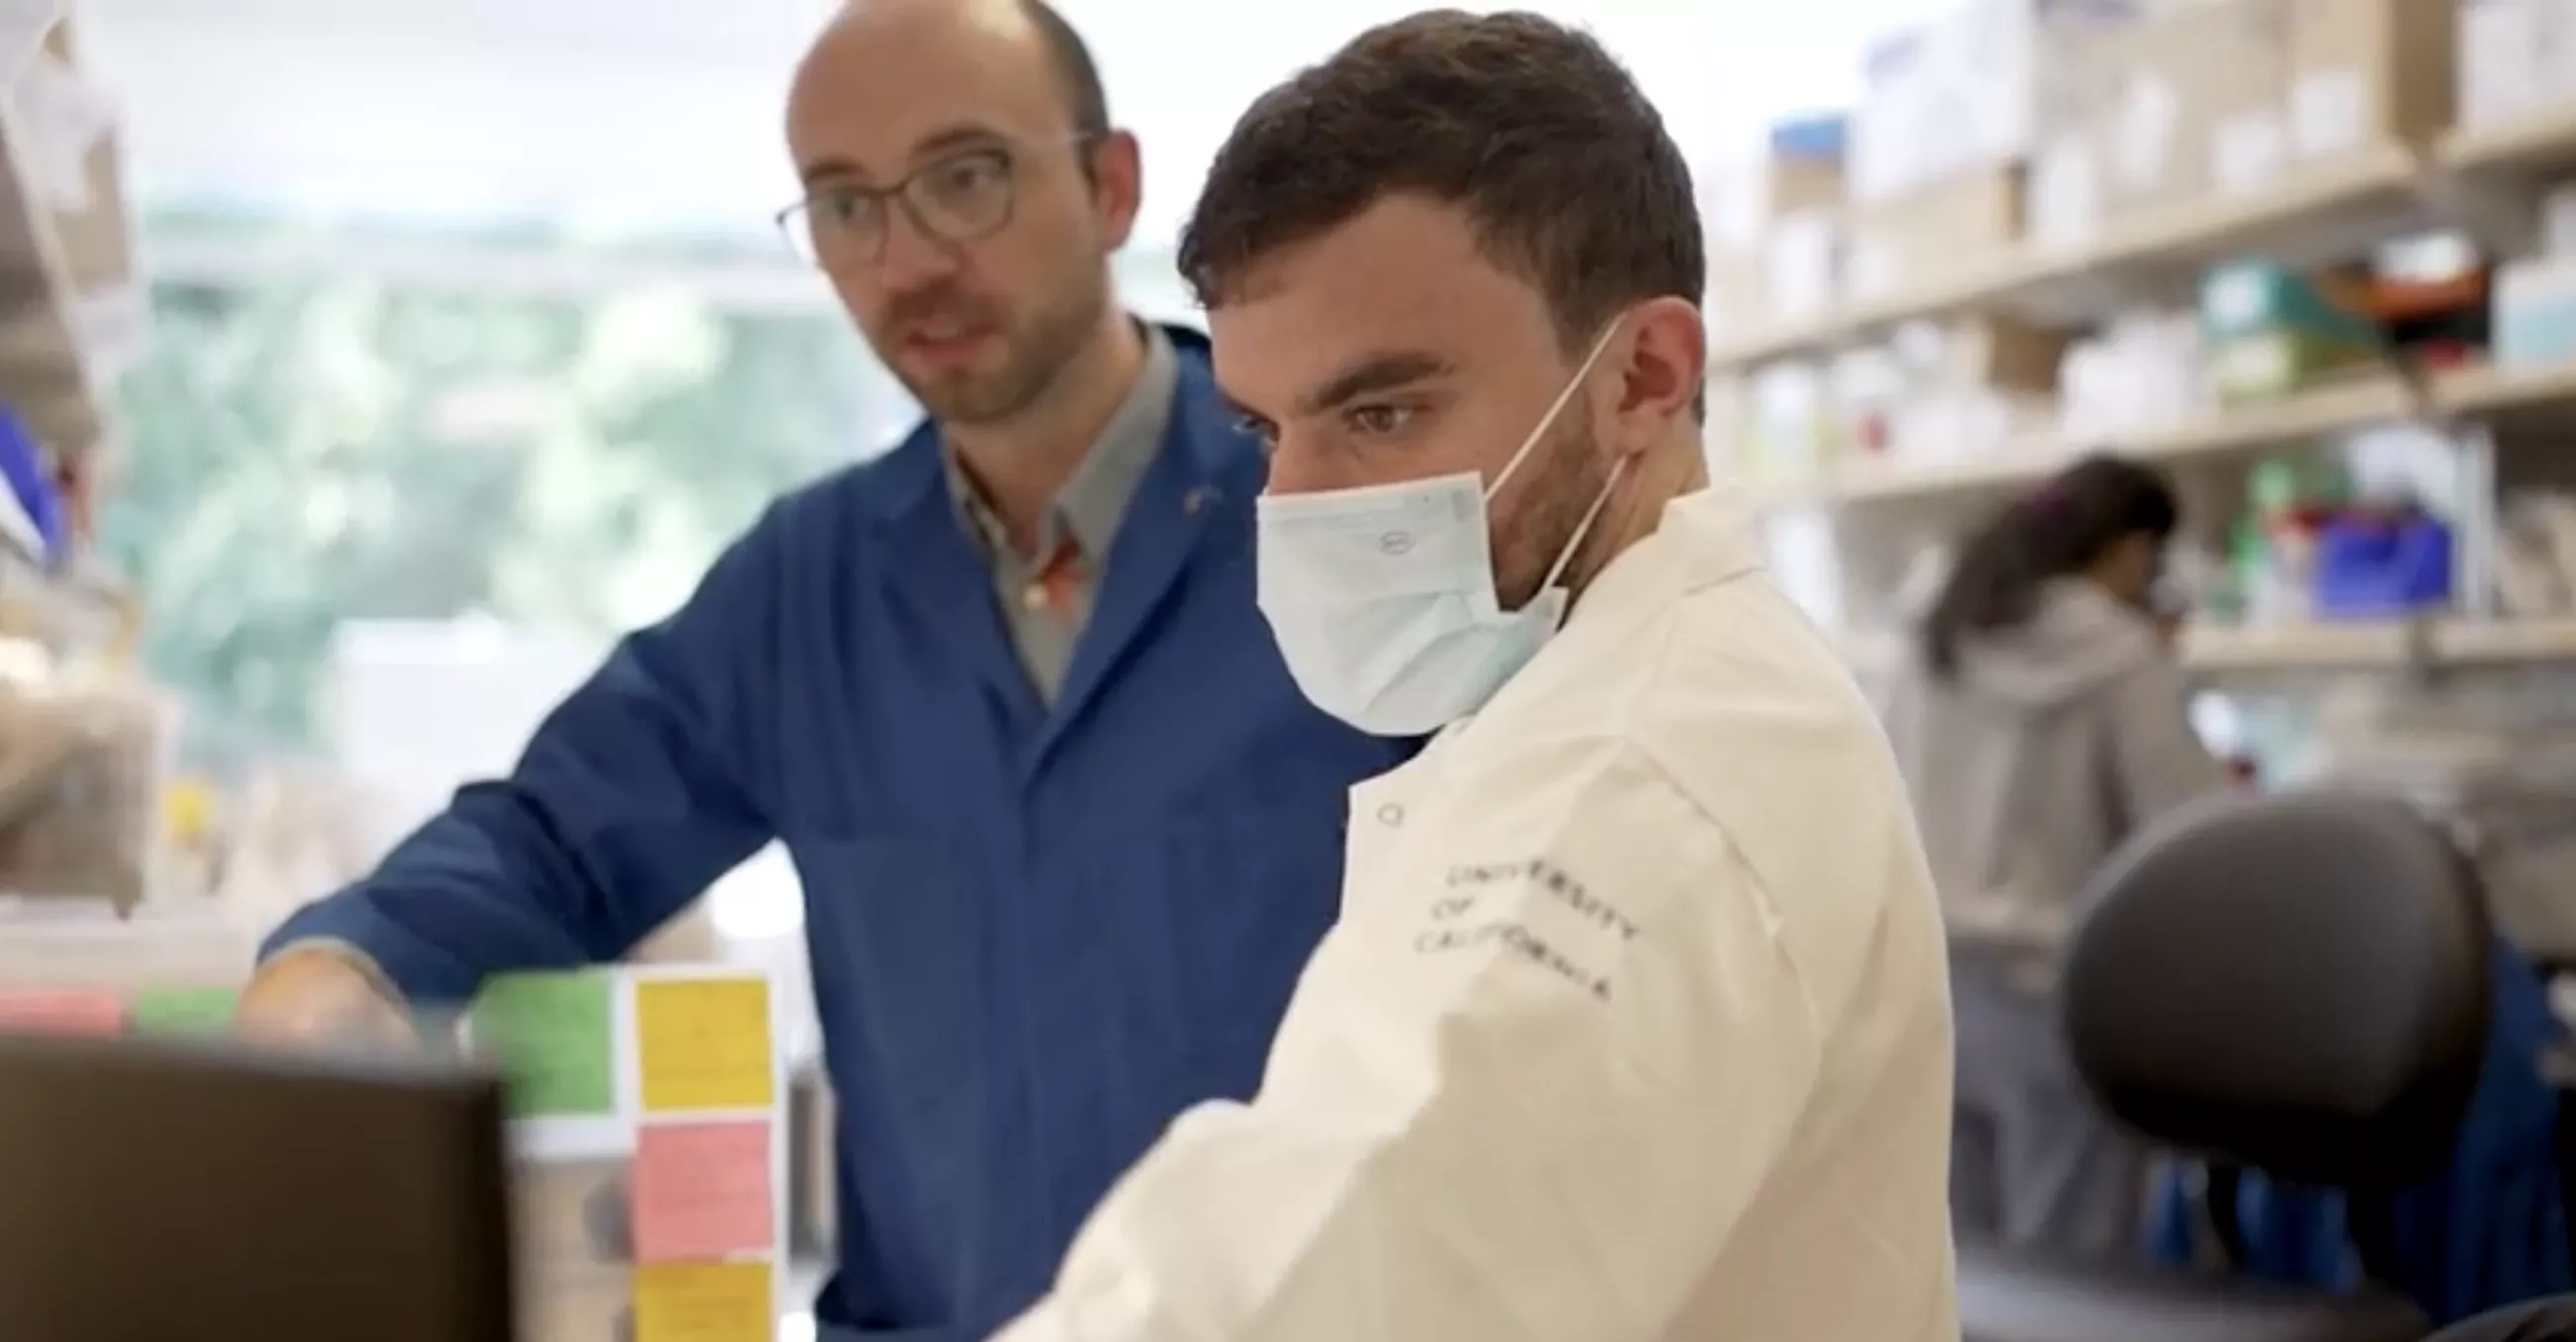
x=1746, y=880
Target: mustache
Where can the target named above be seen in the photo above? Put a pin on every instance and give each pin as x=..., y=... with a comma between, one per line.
x=938, y=301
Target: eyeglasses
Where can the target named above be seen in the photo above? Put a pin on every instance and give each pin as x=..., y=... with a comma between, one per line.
x=962, y=197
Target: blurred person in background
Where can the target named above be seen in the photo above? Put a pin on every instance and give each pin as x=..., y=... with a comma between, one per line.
x=2040, y=721
x=1634, y=1025
x=1066, y=828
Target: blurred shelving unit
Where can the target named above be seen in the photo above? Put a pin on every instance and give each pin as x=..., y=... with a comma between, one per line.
x=72, y=313
x=2304, y=213
x=2483, y=181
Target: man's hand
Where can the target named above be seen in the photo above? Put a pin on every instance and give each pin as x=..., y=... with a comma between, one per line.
x=321, y=994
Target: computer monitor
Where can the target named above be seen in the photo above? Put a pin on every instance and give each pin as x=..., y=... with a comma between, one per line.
x=153, y=1190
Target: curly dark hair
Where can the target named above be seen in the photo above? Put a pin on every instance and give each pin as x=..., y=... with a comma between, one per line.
x=1531, y=128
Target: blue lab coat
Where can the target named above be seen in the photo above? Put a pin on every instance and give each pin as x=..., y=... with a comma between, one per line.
x=1037, y=933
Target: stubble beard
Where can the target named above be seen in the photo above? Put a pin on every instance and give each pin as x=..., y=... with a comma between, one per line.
x=1570, y=475
x=1037, y=357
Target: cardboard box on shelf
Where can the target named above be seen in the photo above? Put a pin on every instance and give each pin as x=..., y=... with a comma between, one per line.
x=1979, y=86
x=1944, y=388
x=2191, y=102
x=2242, y=73
x=1900, y=245
x=2553, y=55
x=2513, y=58
x=2063, y=209
x=1998, y=353
x=2147, y=138
x=2370, y=72
x=1798, y=168
x=2067, y=164
x=2495, y=64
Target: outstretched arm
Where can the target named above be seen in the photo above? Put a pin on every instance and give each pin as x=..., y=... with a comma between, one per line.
x=631, y=798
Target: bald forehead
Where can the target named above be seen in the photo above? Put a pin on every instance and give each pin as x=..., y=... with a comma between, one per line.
x=1002, y=20
x=898, y=72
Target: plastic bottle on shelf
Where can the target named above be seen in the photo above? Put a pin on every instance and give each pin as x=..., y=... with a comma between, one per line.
x=2274, y=546
x=32, y=490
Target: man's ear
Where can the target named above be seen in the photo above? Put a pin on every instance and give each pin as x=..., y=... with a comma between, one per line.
x=1117, y=184
x=1663, y=365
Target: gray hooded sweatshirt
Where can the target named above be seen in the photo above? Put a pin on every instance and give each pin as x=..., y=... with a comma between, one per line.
x=2050, y=743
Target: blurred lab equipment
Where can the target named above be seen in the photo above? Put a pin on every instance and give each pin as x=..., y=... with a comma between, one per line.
x=303, y=1199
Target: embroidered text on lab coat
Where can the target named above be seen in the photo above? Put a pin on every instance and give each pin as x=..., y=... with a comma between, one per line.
x=1462, y=920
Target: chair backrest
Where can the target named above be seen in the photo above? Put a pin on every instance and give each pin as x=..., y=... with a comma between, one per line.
x=2550, y=1320
x=2295, y=983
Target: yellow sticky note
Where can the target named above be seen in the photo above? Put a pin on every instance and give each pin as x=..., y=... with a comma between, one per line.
x=704, y=1043
x=703, y=1302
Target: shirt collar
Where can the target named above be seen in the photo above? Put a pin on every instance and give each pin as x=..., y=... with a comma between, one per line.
x=1092, y=502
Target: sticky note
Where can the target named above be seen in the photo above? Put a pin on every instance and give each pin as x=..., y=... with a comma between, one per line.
x=704, y=1043
x=702, y=1190
x=703, y=1302
x=553, y=1038
x=182, y=1010
x=61, y=1011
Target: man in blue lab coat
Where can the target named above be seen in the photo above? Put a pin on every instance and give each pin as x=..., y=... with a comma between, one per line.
x=1066, y=828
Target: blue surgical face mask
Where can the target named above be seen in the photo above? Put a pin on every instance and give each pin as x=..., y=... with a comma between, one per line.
x=1382, y=597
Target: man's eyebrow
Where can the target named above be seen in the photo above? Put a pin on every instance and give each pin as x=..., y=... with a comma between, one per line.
x=1374, y=373
x=829, y=169
x=945, y=140
x=948, y=139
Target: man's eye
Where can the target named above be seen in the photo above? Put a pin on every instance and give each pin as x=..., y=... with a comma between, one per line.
x=1259, y=429
x=966, y=176
x=1378, y=419
x=845, y=203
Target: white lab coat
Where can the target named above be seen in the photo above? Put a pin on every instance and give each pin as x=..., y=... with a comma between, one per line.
x=1635, y=1027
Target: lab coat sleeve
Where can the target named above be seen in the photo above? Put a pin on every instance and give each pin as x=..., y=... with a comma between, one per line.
x=1524, y=1093
x=2157, y=759
x=628, y=801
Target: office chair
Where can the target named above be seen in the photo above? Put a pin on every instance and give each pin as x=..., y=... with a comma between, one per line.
x=2295, y=984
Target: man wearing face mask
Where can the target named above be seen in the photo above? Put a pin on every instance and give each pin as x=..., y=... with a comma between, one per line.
x=1066, y=829
x=1635, y=1025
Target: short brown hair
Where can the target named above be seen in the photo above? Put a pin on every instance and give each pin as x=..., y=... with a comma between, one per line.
x=1530, y=127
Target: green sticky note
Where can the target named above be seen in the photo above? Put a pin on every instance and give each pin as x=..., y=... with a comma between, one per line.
x=195, y=1011
x=551, y=1036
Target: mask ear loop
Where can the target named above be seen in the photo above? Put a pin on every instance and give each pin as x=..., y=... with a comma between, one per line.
x=1555, y=408
x=1583, y=529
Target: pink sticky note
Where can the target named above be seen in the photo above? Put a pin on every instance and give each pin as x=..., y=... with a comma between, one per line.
x=701, y=1190
x=60, y=1011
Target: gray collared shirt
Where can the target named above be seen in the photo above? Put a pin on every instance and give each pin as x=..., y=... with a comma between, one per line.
x=1046, y=596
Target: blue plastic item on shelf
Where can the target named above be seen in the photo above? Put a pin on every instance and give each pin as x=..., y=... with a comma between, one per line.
x=2381, y=566
x=1818, y=135
x=22, y=465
